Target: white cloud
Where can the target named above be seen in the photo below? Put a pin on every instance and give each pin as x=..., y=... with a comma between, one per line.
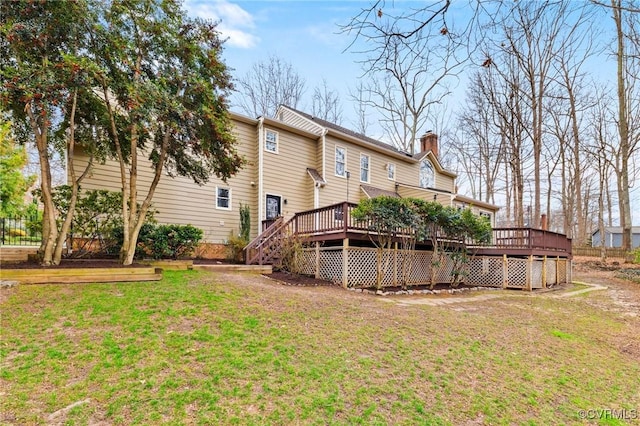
x=235, y=23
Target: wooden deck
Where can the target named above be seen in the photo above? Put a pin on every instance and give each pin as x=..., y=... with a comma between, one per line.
x=524, y=242
x=335, y=222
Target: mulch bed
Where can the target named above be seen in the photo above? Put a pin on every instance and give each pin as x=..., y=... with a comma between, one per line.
x=300, y=280
x=307, y=281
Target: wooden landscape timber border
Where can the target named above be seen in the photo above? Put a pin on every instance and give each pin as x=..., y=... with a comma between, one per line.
x=15, y=254
x=257, y=269
x=81, y=275
x=356, y=267
x=170, y=264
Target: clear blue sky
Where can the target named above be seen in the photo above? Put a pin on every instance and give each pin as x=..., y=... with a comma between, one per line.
x=306, y=34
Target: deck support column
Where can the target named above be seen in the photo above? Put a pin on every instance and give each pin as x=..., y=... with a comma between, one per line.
x=317, y=259
x=529, y=272
x=544, y=271
x=558, y=270
x=345, y=262
x=505, y=271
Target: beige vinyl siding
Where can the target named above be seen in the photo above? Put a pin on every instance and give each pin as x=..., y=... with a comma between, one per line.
x=297, y=120
x=285, y=174
x=336, y=189
x=179, y=200
x=424, y=194
x=445, y=183
x=319, y=166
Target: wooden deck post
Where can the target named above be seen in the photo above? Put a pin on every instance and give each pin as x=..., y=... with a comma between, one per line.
x=529, y=272
x=505, y=271
x=317, y=259
x=544, y=271
x=558, y=270
x=345, y=262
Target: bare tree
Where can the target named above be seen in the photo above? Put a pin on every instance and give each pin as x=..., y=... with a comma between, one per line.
x=359, y=98
x=597, y=151
x=408, y=59
x=269, y=84
x=326, y=103
x=481, y=150
x=628, y=63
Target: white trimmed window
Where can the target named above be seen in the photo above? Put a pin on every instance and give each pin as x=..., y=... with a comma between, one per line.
x=223, y=198
x=364, y=168
x=271, y=141
x=391, y=171
x=427, y=176
x=341, y=161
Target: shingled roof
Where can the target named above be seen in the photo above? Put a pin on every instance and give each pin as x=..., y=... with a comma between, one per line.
x=373, y=192
x=330, y=125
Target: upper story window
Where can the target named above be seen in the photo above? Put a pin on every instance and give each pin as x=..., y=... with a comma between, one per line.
x=391, y=171
x=341, y=161
x=486, y=215
x=223, y=198
x=364, y=167
x=427, y=175
x=271, y=141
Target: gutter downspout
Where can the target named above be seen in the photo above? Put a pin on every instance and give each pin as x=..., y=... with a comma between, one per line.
x=316, y=190
x=324, y=154
x=260, y=173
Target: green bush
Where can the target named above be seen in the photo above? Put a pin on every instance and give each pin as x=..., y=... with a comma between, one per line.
x=236, y=243
x=34, y=220
x=167, y=241
x=235, y=248
x=636, y=255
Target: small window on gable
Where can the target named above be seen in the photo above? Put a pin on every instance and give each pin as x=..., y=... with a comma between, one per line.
x=223, y=198
x=271, y=141
x=391, y=171
x=486, y=215
x=427, y=175
x=341, y=161
x=364, y=168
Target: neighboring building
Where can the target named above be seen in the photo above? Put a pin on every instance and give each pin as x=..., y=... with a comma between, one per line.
x=294, y=163
x=613, y=237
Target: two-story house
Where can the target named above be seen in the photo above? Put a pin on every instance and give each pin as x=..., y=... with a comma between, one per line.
x=295, y=163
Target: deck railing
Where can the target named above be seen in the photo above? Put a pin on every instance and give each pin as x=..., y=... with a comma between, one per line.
x=337, y=218
x=335, y=221
x=526, y=238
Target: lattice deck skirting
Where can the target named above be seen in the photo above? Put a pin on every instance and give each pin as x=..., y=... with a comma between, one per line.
x=359, y=265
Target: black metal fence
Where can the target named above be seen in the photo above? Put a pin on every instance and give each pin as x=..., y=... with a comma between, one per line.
x=21, y=230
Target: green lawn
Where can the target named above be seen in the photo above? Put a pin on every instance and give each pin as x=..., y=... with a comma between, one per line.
x=202, y=349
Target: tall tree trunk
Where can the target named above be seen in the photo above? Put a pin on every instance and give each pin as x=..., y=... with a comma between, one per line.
x=75, y=184
x=623, y=129
x=40, y=129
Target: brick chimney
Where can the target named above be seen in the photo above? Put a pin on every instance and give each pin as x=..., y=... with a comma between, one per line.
x=429, y=142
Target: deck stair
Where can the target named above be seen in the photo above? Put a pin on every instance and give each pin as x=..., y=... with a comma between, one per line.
x=266, y=248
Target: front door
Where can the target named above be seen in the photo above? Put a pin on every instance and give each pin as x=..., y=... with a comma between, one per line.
x=274, y=206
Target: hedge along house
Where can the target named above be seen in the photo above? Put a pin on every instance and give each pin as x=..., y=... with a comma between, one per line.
x=298, y=166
